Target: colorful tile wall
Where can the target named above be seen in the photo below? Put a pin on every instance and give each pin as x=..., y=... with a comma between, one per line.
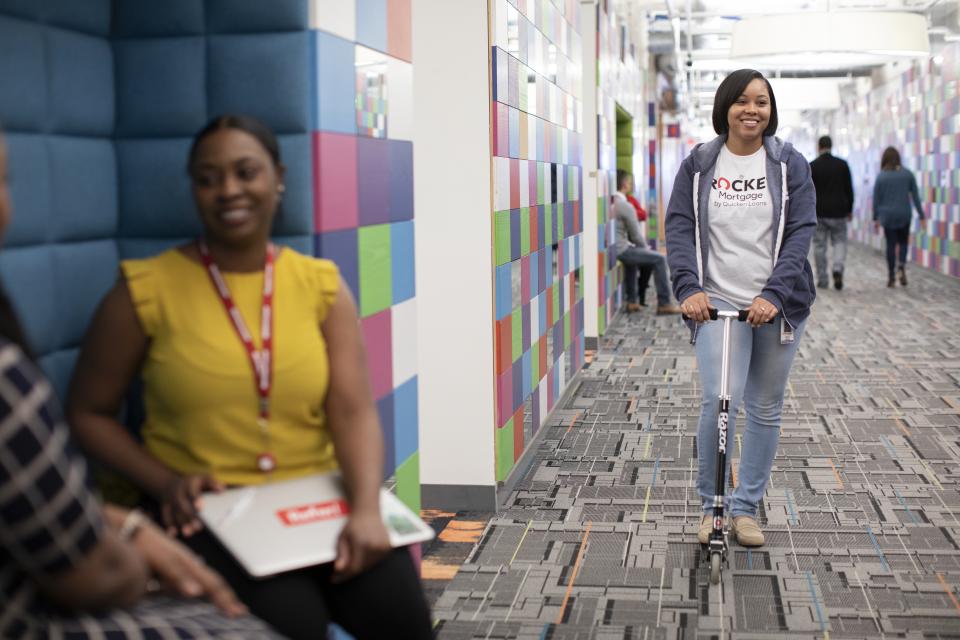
x=620, y=81
x=537, y=214
x=363, y=199
x=918, y=113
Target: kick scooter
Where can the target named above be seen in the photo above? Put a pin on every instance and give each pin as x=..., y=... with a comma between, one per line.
x=717, y=547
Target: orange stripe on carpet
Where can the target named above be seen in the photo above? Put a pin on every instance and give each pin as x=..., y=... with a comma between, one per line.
x=432, y=570
x=573, y=576
x=462, y=531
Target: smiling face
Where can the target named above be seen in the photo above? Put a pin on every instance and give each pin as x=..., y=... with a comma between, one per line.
x=749, y=115
x=236, y=187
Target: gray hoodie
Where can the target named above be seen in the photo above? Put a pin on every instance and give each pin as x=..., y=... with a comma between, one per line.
x=790, y=285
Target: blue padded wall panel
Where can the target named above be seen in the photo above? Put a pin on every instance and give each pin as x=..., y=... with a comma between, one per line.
x=28, y=276
x=161, y=87
x=59, y=368
x=26, y=9
x=23, y=84
x=256, y=16
x=155, y=199
x=85, y=200
x=139, y=19
x=80, y=73
x=83, y=273
x=265, y=75
x=296, y=210
x=136, y=248
x=30, y=192
x=88, y=16
x=342, y=248
x=303, y=244
x=336, y=83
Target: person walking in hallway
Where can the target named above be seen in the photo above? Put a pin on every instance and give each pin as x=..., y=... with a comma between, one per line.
x=834, y=187
x=739, y=225
x=632, y=250
x=893, y=192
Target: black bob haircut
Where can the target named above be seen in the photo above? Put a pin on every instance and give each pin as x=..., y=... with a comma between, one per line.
x=730, y=90
x=241, y=122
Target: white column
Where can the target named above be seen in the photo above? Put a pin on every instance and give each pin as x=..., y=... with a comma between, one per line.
x=591, y=272
x=454, y=252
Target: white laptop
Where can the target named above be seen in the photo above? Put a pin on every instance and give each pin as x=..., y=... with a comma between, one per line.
x=288, y=525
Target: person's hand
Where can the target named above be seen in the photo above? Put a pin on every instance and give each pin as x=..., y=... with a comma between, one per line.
x=761, y=311
x=697, y=307
x=363, y=543
x=181, y=501
x=179, y=571
x=876, y=226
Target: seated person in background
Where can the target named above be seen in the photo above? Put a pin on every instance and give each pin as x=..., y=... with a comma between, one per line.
x=254, y=370
x=71, y=567
x=632, y=251
x=643, y=280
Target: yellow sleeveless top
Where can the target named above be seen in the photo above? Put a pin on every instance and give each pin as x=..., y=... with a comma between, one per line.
x=201, y=399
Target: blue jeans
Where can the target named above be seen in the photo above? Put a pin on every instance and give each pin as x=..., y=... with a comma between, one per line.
x=635, y=257
x=759, y=367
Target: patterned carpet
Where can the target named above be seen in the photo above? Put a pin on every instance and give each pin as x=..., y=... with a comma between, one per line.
x=862, y=514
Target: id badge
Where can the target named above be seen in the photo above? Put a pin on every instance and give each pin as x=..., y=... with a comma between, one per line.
x=786, y=332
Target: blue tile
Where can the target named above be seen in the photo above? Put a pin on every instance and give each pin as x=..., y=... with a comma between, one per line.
x=504, y=290
x=372, y=24
x=341, y=247
x=402, y=261
x=406, y=417
x=525, y=387
x=336, y=83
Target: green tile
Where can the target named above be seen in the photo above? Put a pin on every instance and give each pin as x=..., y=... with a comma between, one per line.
x=516, y=330
x=602, y=320
x=408, y=482
x=524, y=231
x=501, y=230
x=504, y=450
x=376, y=284
x=559, y=217
x=556, y=301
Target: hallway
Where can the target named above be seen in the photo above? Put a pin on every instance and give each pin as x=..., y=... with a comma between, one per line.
x=862, y=513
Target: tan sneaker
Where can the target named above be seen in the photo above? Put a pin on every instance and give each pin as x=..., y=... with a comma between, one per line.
x=632, y=307
x=747, y=531
x=667, y=309
x=706, y=528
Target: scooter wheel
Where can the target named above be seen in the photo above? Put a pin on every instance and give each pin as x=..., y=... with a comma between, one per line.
x=715, y=568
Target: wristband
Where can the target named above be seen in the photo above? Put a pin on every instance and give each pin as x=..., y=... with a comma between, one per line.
x=131, y=525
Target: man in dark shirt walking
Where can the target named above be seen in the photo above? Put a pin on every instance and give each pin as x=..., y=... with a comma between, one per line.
x=831, y=178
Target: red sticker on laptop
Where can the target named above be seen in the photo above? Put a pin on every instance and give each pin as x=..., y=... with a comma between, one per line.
x=315, y=512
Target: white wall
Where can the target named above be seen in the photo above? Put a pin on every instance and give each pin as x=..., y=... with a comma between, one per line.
x=454, y=253
x=591, y=270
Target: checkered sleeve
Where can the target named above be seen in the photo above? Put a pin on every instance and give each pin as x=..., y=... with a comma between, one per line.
x=49, y=519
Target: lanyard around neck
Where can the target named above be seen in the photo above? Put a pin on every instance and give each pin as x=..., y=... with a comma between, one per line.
x=260, y=361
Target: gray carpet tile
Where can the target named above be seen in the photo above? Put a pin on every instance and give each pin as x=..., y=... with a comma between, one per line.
x=862, y=514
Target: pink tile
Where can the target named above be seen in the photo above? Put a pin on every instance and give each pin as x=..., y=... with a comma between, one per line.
x=377, y=336
x=335, y=181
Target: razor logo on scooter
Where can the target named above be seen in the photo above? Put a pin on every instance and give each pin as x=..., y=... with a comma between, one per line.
x=722, y=428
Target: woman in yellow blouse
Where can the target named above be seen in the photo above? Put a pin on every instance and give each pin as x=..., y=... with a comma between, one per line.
x=254, y=370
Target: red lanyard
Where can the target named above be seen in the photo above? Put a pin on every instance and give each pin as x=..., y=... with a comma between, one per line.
x=260, y=361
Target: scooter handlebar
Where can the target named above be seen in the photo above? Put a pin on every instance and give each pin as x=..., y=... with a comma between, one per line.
x=741, y=315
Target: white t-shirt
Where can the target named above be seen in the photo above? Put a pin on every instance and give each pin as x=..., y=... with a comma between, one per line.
x=740, y=228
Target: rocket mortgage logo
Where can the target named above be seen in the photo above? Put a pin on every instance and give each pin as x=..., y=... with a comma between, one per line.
x=315, y=512
x=740, y=192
